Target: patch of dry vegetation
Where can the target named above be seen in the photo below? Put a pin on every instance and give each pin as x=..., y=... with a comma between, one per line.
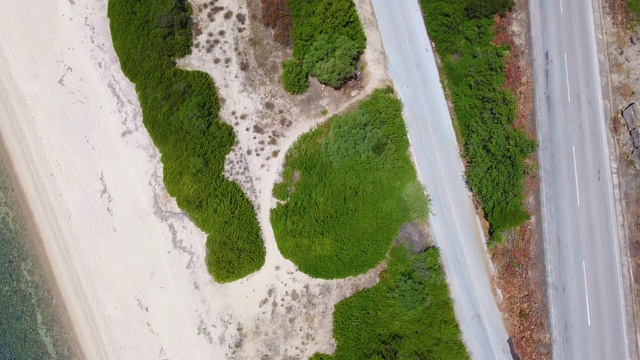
x=277, y=16
x=519, y=260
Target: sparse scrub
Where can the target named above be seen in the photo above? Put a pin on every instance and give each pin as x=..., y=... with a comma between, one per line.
x=485, y=110
x=407, y=315
x=348, y=187
x=180, y=112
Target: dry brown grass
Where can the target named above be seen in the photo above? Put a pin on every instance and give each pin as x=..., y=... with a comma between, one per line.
x=276, y=15
x=519, y=261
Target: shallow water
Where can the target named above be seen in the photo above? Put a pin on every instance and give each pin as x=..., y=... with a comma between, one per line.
x=33, y=323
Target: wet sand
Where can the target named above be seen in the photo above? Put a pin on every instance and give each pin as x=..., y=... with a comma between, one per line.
x=34, y=321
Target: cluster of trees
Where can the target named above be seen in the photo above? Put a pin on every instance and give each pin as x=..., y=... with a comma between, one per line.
x=407, y=315
x=180, y=112
x=328, y=39
x=347, y=188
x=495, y=150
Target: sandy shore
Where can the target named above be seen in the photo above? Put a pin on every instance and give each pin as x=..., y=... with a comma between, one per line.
x=128, y=262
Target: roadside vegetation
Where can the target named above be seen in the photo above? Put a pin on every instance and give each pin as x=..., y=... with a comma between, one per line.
x=407, y=315
x=327, y=39
x=473, y=66
x=347, y=188
x=180, y=112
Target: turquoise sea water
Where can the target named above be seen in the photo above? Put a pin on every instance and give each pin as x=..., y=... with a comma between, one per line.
x=33, y=324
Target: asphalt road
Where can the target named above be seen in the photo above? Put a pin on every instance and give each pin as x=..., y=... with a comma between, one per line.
x=582, y=257
x=454, y=223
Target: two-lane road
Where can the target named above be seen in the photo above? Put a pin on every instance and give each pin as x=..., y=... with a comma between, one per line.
x=581, y=240
x=454, y=223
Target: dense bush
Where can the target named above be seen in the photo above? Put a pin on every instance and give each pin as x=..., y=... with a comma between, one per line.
x=348, y=186
x=407, y=315
x=327, y=41
x=487, y=8
x=294, y=78
x=180, y=111
x=495, y=150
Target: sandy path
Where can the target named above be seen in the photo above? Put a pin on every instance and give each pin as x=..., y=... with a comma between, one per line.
x=129, y=264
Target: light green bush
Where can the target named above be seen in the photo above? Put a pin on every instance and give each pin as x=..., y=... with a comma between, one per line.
x=407, y=315
x=356, y=187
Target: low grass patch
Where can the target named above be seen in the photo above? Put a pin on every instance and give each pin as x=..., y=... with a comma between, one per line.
x=180, y=112
x=407, y=315
x=348, y=187
x=495, y=150
x=634, y=8
x=327, y=38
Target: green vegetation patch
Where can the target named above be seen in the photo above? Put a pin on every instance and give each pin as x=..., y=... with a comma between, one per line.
x=328, y=39
x=348, y=187
x=495, y=150
x=180, y=112
x=407, y=315
x=634, y=8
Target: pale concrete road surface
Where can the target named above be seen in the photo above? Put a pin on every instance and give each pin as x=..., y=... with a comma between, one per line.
x=582, y=253
x=454, y=223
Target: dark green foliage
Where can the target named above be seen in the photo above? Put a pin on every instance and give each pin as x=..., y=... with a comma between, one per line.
x=487, y=8
x=180, y=111
x=295, y=78
x=327, y=40
x=348, y=186
x=485, y=111
x=407, y=315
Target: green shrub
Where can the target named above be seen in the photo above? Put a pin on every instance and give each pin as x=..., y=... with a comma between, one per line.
x=328, y=39
x=495, y=150
x=348, y=187
x=407, y=315
x=180, y=112
x=633, y=6
x=332, y=61
x=295, y=78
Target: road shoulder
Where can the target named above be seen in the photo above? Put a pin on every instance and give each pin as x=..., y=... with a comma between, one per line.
x=622, y=171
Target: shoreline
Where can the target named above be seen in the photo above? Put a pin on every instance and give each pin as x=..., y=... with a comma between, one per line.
x=34, y=200
x=34, y=245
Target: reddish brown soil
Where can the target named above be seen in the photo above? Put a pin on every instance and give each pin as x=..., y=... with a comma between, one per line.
x=519, y=260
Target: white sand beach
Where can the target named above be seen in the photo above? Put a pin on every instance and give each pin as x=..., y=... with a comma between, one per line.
x=128, y=262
